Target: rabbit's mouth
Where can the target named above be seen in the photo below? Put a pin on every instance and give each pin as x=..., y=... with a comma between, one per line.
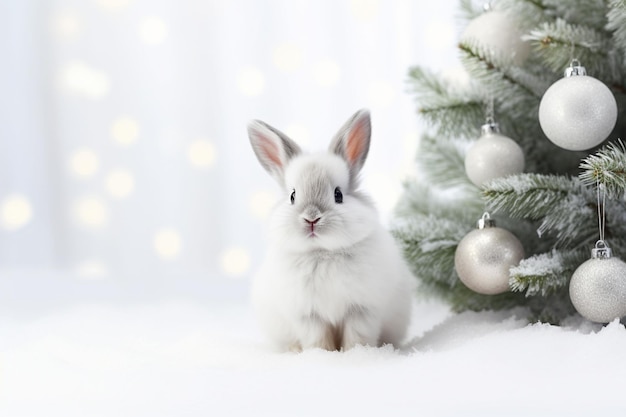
x=311, y=227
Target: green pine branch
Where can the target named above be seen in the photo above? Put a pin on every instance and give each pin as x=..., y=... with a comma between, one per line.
x=446, y=108
x=563, y=205
x=557, y=43
x=545, y=273
x=617, y=24
x=607, y=168
x=429, y=243
x=512, y=87
x=442, y=161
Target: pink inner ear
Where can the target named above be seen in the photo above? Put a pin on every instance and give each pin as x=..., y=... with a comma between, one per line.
x=355, y=143
x=270, y=150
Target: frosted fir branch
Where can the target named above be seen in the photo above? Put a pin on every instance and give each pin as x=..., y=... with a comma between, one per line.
x=557, y=43
x=544, y=274
x=529, y=196
x=562, y=204
x=429, y=243
x=450, y=111
x=606, y=167
x=617, y=24
x=443, y=161
x=468, y=10
x=526, y=13
x=512, y=87
x=591, y=13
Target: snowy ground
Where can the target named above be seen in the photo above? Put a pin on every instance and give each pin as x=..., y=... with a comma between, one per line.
x=192, y=349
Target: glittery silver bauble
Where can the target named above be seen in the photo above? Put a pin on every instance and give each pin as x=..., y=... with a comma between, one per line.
x=493, y=156
x=499, y=36
x=485, y=255
x=598, y=288
x=577, y=112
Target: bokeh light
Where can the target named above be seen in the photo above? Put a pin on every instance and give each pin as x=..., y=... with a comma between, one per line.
x=15, y=212
x=167, y=243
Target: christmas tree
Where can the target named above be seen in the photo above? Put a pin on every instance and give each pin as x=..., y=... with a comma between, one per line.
x=571, y=181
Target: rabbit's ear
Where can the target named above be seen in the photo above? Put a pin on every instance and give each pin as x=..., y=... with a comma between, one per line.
x=352, y=142
x=272, y=148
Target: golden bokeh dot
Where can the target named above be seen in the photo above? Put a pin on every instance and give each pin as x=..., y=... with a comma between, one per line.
x=261, y=203
x=167, y=244
x=120, y=183
x=125, y=130
x=15, y=212
x=287, y=57
x=153, y=30
x=91, y=269
x=81, y=79
x=91, y=212
x=251, y=82
x=235, y=261
x=326, y=73
x=364, y=10
x=201, y=154
x=66, y=25
x=84, y=163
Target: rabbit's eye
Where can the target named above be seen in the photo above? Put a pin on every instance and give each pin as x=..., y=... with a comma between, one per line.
x=338, y=196
x=293, y=196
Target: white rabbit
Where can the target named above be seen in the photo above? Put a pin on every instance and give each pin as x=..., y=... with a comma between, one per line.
x=333, y=276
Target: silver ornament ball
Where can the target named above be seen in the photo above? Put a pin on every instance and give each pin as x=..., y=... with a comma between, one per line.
x=493, y=156
x=577, y=112
x=598, y=289
x=483, y=259
x=499, y=36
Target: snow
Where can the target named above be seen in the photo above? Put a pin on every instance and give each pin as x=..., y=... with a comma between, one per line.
x=192, y=348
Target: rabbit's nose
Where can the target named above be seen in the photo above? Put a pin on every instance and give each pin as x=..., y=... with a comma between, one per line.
x=312, y=222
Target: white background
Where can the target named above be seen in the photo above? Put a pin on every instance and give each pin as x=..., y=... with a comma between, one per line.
x=123, y=145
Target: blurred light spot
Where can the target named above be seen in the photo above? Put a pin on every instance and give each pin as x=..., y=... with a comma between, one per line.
x=66, y=25
x=167, y=244
x=15, y=212
x=113, y=5
x=125, y=130
x=381, y=94
x=251, y=82
x=84, y=163
x=326, y=73
x=287, y=57
x=91, y=212
x=299, y=133
x=91, y=269
x=261, y=204
x=120, y=183
x=83, y=80
x=364, y=9
x=153, y=30
x=201, y=153
x=440, y=34
x=235, y=261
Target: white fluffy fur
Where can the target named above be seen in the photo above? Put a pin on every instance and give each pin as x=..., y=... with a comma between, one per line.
x=346, y=285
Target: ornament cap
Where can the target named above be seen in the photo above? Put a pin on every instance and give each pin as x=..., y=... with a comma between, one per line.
x=489, y=128
x=485, y=222
x=575, y=68
x=601, y=251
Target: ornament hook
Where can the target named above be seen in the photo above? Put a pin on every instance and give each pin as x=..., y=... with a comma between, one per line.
x=601, y=251
x=575, y=68
x=486, y=221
